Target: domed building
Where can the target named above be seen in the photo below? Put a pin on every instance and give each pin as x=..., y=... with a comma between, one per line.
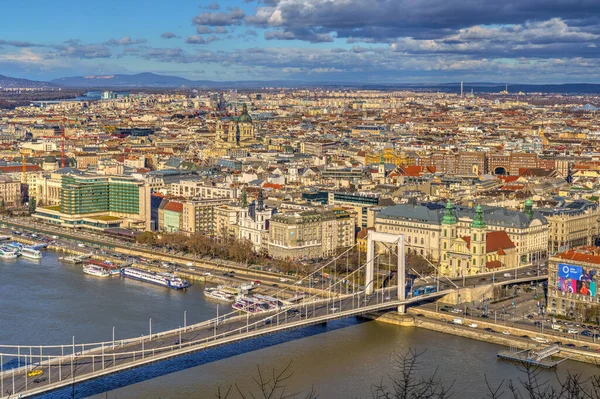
x=238, y=132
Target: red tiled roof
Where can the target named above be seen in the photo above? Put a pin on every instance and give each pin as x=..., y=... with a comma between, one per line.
x=493, y=264
x=581, y=255
x=174, y=206
x=273, y=186
x=494, y=241
x=364, y=232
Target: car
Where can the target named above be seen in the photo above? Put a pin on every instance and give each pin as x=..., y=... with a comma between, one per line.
x=39, y=380
x=570, y=345
x=525, y=336
x=485, y=316
x=274, y=285
x=572, y=331
x=457, y=321
x=35, y=373
x=473, y=325
x=506, y=332
x=530, y=316
x=420, y=315
x=206, y=274
x=334, y=309
x=82, y=245
x=293, y=311
x=584, y=347
x=489, y=329
x=443, y=319
x=267, y=320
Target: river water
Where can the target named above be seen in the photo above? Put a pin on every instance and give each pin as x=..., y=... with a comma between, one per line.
x=47, y=302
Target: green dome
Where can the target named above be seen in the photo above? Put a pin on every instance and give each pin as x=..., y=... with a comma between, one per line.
x=478, y=222
x=449, y=217
x=529, y=208
x=244, y=117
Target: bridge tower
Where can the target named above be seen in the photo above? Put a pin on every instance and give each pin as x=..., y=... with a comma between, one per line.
x=387, y=238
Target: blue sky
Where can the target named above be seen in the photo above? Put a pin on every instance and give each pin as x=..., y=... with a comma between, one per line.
x=380, y=41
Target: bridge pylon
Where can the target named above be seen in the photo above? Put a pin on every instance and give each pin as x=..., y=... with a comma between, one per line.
x=387, y=238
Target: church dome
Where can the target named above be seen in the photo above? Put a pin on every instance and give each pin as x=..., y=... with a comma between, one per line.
x=244, y=117
x=50, y=159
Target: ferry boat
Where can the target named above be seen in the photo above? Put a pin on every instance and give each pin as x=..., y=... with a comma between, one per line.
x=219, y=294
x=94, y=270
x=110, y=267
x=30, y=253
x=164, y=279
x=7, y=253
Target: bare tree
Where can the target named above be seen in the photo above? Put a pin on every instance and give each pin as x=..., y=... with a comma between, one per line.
x=268, y=386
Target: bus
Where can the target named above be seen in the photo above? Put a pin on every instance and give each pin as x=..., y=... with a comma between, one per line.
x=429, y=289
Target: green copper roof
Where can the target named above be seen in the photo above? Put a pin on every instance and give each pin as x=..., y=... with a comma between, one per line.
x=381, y=159
x=449, y=217
x=244, y=117
x=478, y=222
x=528, y=208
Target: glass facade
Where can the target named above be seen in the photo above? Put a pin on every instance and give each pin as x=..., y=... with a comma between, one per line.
x=86, y=195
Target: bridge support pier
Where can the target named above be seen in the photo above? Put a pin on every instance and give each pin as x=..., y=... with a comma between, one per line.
x=376, y=236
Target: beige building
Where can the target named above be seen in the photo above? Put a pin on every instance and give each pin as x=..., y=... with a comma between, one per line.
x=573, y=284
x=422, y=228
x=10, y=191
x=226, y=221
x=572, y=224
x=199, y=216
x=200, y=189
x=310, y=234
x=479, y=252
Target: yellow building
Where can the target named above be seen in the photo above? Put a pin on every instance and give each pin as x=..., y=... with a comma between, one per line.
x=389, y=156
x=236, y=133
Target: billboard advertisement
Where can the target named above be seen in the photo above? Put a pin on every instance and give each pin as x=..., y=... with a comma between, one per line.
x=577, y=280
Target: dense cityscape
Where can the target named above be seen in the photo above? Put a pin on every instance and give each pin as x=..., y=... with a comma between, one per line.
x=346, y=200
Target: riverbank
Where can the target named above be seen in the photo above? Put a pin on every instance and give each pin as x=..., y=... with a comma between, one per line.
x=517, y=338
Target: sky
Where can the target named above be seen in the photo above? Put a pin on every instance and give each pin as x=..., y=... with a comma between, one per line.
x=363, y=41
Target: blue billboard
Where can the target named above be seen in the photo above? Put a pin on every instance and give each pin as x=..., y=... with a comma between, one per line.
x=576, y=280
x=569, y=271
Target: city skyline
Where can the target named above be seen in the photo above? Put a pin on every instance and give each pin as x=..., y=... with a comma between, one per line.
x=314, y=40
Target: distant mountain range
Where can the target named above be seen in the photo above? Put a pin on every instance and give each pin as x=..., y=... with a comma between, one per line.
x=152, y=80
x=6, y=82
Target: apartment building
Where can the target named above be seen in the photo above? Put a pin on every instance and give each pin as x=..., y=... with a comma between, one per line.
x=573, y=283
x=203, y=190
x=10, y=191
x=199, y=216
x=572, y=224
x=310, y=234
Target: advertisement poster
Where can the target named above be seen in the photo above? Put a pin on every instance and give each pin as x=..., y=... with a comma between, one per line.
x=576, y=279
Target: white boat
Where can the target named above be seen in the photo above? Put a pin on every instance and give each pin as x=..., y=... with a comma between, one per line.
x=7, y=253
x=30, y=253
x=219, y=295
x=165, y=279
x=94, y=270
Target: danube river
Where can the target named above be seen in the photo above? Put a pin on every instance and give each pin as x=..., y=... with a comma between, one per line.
x=47, y=302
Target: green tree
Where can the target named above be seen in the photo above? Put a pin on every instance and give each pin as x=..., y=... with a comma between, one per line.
x=146, y=237
x=32, y=205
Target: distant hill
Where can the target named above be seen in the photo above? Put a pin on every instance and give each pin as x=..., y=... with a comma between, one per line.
x=138, y=80
x=152, y=80
x=11, y=83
